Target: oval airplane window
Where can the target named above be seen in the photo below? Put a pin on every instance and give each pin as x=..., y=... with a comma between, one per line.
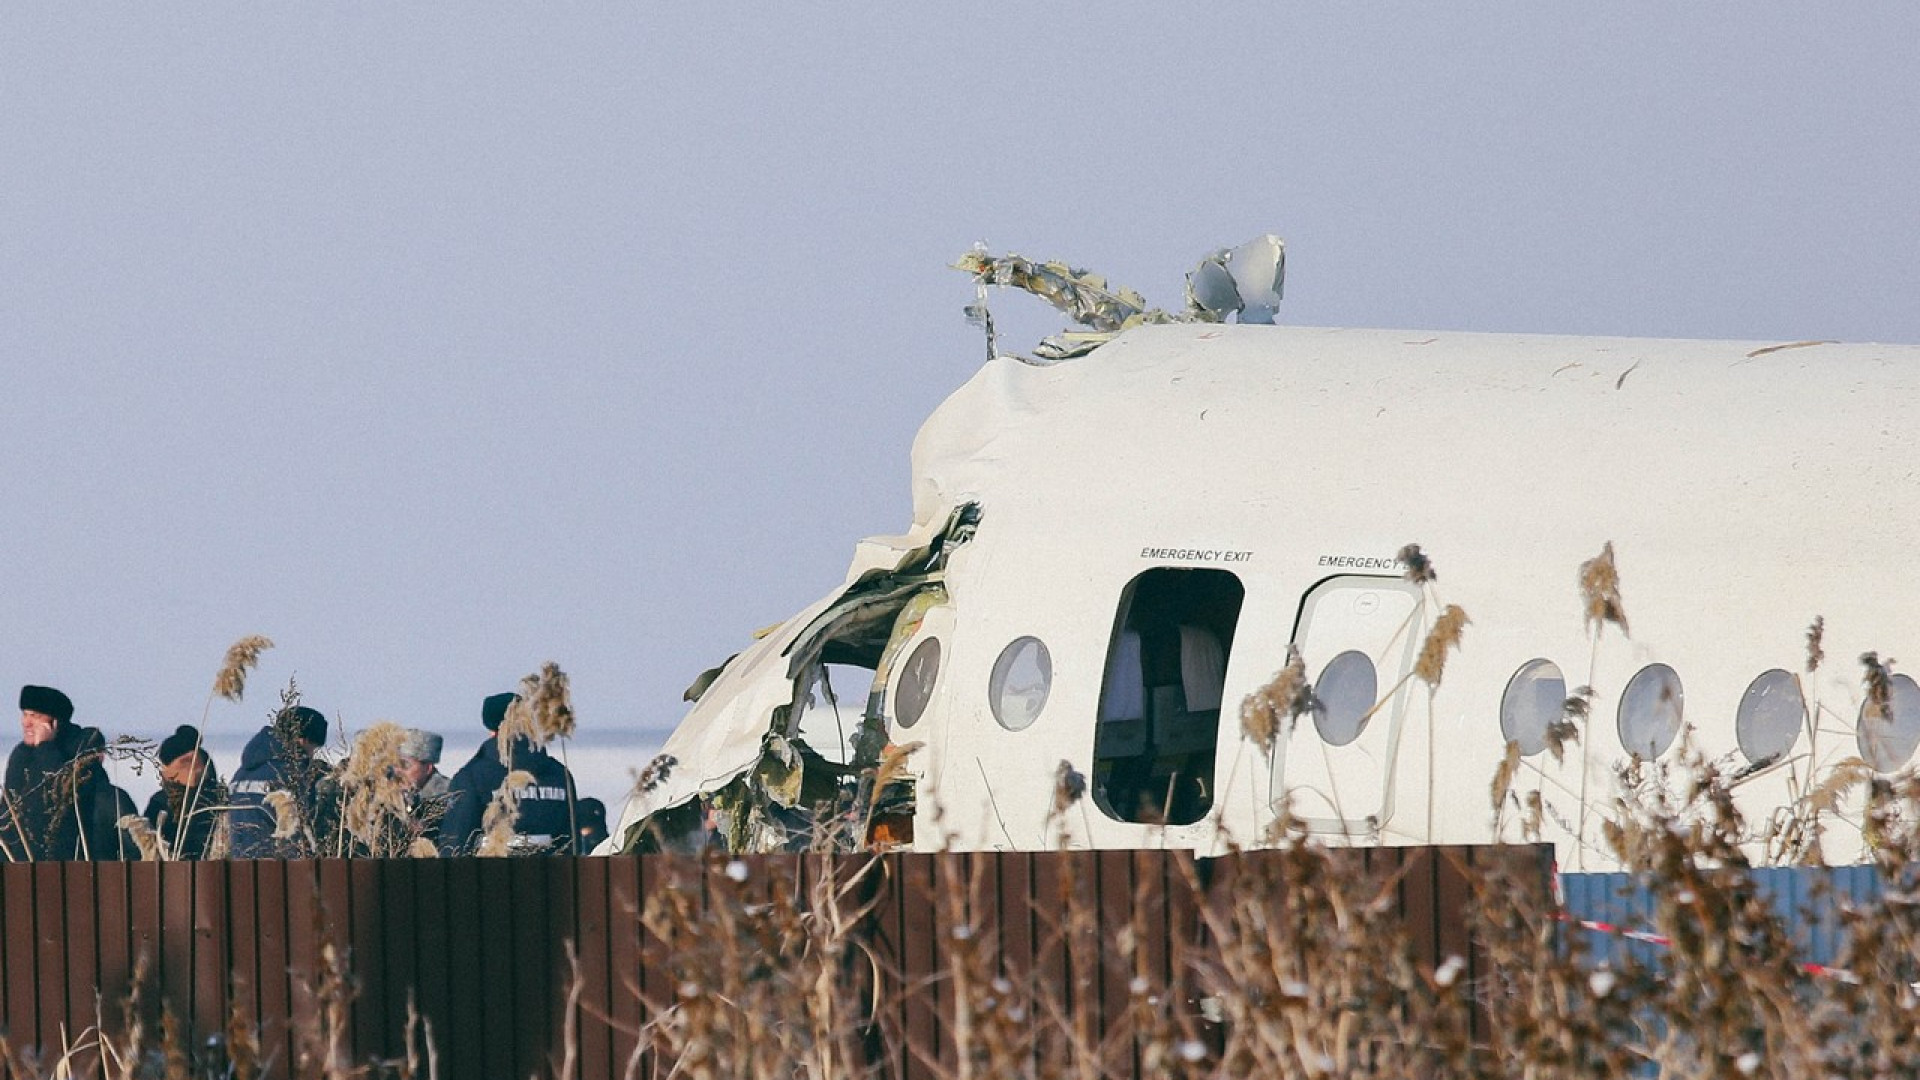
x=1888, y=743
x=1770, y=716
x=1021, y=679
x=1650, y=711
x=1343, y=694
x=915, y=687
x=1535, y=698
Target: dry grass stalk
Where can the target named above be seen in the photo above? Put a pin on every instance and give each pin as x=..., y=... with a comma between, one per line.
x=1441, y=640
x=496, y=823
x=1069, y=786
x=1286, y=696
x=1419, y=568
x=143, y=837
x=1600, y=591
x=1878, y=677
x=1503, y=782
x=1816, y=635
x=544, y=711
x=242, y=657
x=376, y=809
x=656, y=773
x=288, y=822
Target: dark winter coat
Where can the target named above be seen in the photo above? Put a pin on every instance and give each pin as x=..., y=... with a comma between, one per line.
x=173, y=802
x=52, y=801
x=267, y=764
x=544, y=822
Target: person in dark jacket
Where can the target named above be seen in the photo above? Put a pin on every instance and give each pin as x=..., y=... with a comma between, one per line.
x=544, y=819
x=279, y=758
x=103, y=805
x=51, y=794
x=190, y=791
x=590, y=824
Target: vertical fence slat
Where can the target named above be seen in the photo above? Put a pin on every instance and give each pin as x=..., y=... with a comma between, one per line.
x=399, y=945
x=533, y=963
x=174, y=953
x=559, y=874
x=1119, y=890
x=1419, y=900
x=271, y=919
x=498, y=983
x=210, y=947
x=626, y=982
x=83, y=957
x=50, y=928
x=363, y=920
x=22, y=974
x=920, y=927
x=595, y=947
x=463, y=1033
x=243, y=943
x=114, y=926
x=304, y=937
x=432, y=950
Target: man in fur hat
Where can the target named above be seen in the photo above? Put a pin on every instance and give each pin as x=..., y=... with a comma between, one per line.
x=427, y=786
x=49, y=806
x=280, y=758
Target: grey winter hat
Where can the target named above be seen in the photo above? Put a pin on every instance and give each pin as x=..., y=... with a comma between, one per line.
x=421, y=746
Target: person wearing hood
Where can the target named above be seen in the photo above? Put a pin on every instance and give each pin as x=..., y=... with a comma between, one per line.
x=544, y=819
x=52, y=795
x=280, y=758
x=191, y=792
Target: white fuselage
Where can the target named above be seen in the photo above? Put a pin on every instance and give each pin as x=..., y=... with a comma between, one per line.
x=1262, y=479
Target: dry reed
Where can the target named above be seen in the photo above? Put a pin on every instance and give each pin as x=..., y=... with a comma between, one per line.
x=1600, y=591
x=242, y=657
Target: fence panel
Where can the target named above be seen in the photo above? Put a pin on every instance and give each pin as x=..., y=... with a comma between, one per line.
x=479, y=946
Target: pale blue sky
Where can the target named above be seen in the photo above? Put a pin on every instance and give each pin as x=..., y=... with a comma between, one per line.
x=438, y=342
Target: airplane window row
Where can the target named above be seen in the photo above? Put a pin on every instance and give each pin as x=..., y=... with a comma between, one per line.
x=1768, y=722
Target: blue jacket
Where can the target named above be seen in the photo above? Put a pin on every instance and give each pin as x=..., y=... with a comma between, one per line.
x=268, y=765
x=544, y=823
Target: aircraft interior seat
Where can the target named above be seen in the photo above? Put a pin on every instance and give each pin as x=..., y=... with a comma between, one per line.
x=1122, y=729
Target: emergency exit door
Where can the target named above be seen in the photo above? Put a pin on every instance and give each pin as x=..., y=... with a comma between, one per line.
x=1358, y=637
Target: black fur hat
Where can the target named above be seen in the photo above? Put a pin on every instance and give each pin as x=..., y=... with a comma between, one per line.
x=47, y=700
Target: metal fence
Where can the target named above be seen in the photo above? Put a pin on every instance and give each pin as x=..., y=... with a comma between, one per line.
x=1615, y=911
x=478, y=949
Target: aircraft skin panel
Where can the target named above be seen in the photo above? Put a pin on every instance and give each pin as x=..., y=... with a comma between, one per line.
x=1744, y=492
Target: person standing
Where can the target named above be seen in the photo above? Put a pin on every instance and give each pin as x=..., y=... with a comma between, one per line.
x=427, y=785
x=190, y=792
x=102, y=806
x=280, y=758
x=49, y=791
x=544, y=814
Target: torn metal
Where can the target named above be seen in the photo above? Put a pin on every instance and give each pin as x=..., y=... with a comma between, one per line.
x=785, y=794
x=1244, y=281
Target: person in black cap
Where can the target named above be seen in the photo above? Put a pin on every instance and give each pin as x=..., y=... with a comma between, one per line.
x=590, y=826
x=191, y=792
x=49, y=789
x=544, y=820
x=279, y=757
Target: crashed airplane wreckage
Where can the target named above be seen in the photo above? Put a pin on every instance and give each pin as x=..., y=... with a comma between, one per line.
x=1163, y=584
